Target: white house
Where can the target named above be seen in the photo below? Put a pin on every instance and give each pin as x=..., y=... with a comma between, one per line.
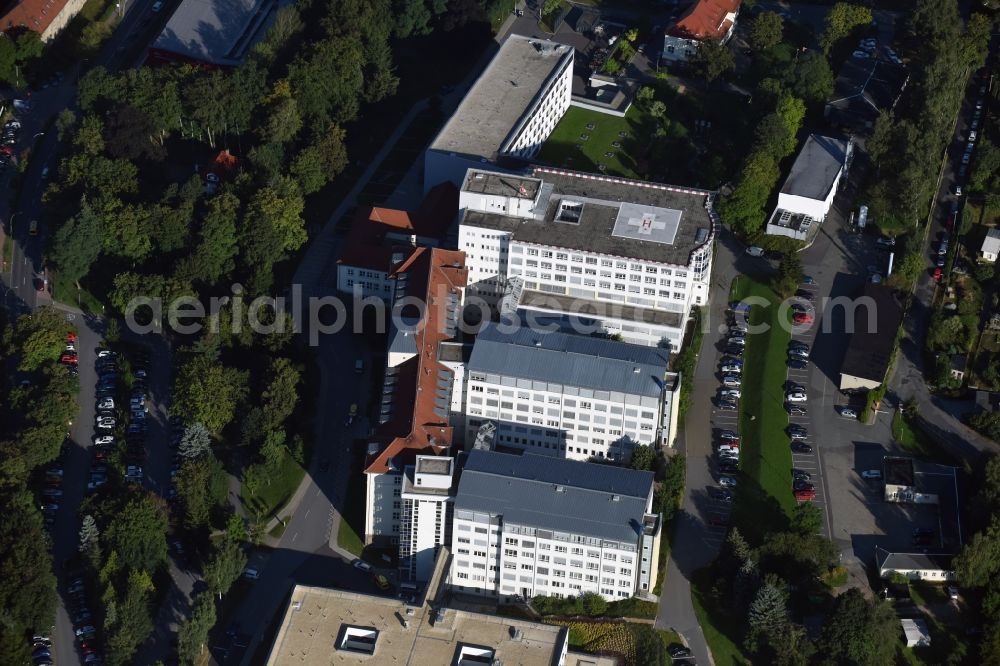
x=704, y=20
x=535, y=525
x=569, y=396
x=590, y=252
x=808, y=192
x=915, y=566
x=991, y=246
x=507, y=114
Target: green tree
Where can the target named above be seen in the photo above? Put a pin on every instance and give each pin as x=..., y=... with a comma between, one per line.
x=208, y=392
x=196, y=442
x=806, y=519
x=89, y=534
x=593, y=604
x=859, y=631
x=224, y=567
x=27, y=585
x=712, y=60
x=766, y=31
x=272, y=227
x=767, y=614
x=283, y=120
x=658, y=109
x=645, y=94
x=214, y=256
x=192, y=636
x=413, y=18
x=134, y=620
x=97, y=85
x=201, y=485
x=38, y=339
x=789, y=274
x=842, y=20
x=643, y=457
x=979, y=561
x=89, y=135
x=812, y=78
x=138, y=533
x=77, y=244
x=649, y=650
x=743, y=210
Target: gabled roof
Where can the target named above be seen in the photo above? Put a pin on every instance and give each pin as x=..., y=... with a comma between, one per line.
x=376, y=232
x=706, y=19
x=417, y=391
x=817, y=167
x=34, y=15
x=571, y=360
x=912, y=561
x=556, y=494
x=991, y=244
x=864, y=87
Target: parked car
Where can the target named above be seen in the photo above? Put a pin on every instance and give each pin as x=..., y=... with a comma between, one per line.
x=731, y=381
x=727, y=482
x=795, y=363
x=801, y=447
x=802, y=318
x=796, y=410
x=796, y=396
x=805, y=495
x=730, y=435
x=801, y=475
x=871, y=474
x=251, y=573
x=848, y=413
x=730, y=393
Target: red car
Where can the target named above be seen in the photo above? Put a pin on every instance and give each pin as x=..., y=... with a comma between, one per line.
x=805, y=495
x=71, y=337
x=802, y=318
x=938, y=274
x=66, y=358
x=100, y=455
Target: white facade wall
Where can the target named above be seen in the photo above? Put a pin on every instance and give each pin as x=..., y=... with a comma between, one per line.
x=384, y=507
x=424, y=527
x=814, y=208
x=519, y=561
x=371, y=282
x=548, y=109
x=567, y=423
x=486, y=253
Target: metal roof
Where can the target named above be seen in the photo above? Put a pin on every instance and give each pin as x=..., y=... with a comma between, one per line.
x=887, y=560
x=556, y=494
x=570, y=360
x=816, y=168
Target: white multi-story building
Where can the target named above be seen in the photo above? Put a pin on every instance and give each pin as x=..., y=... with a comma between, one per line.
x=534, y=525
x=807, y=194
x=426, y=521
x=592, y=252
x=569, y=396
x=507, y=114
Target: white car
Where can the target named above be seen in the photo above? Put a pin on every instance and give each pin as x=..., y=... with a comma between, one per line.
x=871, y=474
x=727, y=482
x=106, y=403
x=755, y=251
x=251, y=573
x=727, y=447
x=972, y=136
x=105, y=422
x=848, y=413
x=104, y=353
x=796, y=396
x=104, y=440
x=732, y=381
x=732, y=393
x=729, y=368
x=737, y=340
x=362, y=565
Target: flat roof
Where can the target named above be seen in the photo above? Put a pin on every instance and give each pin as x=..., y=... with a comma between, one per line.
x=869, y=352
x=556, y=494
x=571, y=360
x=316, y=619
x=503, y=94
x=600, y=214
x=216, y=31
x=816, y=168
x=586, y=310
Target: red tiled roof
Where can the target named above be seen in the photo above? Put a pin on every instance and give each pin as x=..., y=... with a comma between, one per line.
x=367, y=245
x=706, y=19
x=433, y=275
x=35, y=15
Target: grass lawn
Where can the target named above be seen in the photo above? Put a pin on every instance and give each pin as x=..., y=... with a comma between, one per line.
x=270, y=498
x=912, y=438
x=764, y=497
x=718, y=625
x=348, y=539
x=66, y=292
x=610, y=638
x=561, y=147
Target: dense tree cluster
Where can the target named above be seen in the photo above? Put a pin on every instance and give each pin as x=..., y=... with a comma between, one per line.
x=907, y=145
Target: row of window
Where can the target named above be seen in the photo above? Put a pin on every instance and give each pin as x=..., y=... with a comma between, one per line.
x=594, y=261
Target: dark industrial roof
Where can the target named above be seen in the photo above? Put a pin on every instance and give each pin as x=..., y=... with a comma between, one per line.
x=556, y=494
x=217, y=32
x=816, y=167
x=869, y=352
x=570, y=360
x=864, y=87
